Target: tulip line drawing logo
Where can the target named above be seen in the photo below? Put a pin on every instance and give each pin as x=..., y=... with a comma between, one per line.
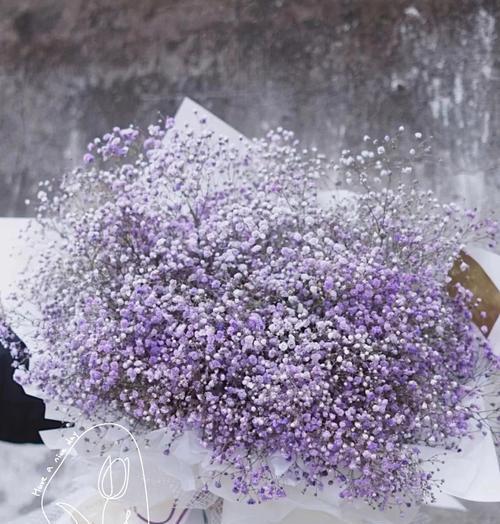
x=74, y=514
x=113, y=479
x=106, y=485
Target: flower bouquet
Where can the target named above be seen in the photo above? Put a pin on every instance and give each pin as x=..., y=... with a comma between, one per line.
x=247, y=332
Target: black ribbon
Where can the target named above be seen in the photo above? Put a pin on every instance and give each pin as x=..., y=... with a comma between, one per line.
x=21, y=416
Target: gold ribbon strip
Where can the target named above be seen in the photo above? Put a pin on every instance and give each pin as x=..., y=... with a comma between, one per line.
x=475, y=279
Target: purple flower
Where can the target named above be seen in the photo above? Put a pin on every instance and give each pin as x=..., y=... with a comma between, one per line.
x=200, y=288
x=88, y=158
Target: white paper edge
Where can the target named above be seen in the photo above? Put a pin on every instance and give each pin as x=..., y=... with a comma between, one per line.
x=188, y=117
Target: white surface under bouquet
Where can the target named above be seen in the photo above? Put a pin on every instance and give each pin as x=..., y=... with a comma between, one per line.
x=235, y=344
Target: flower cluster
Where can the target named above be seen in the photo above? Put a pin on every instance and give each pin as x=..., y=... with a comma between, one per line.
x=195, y=286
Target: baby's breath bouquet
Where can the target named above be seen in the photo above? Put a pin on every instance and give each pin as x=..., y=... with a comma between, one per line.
x=312, y=343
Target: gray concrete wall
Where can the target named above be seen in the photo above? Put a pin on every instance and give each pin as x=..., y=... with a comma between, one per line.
x=332, y=70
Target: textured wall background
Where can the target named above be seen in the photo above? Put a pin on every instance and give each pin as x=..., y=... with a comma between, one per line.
x=332, y=70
